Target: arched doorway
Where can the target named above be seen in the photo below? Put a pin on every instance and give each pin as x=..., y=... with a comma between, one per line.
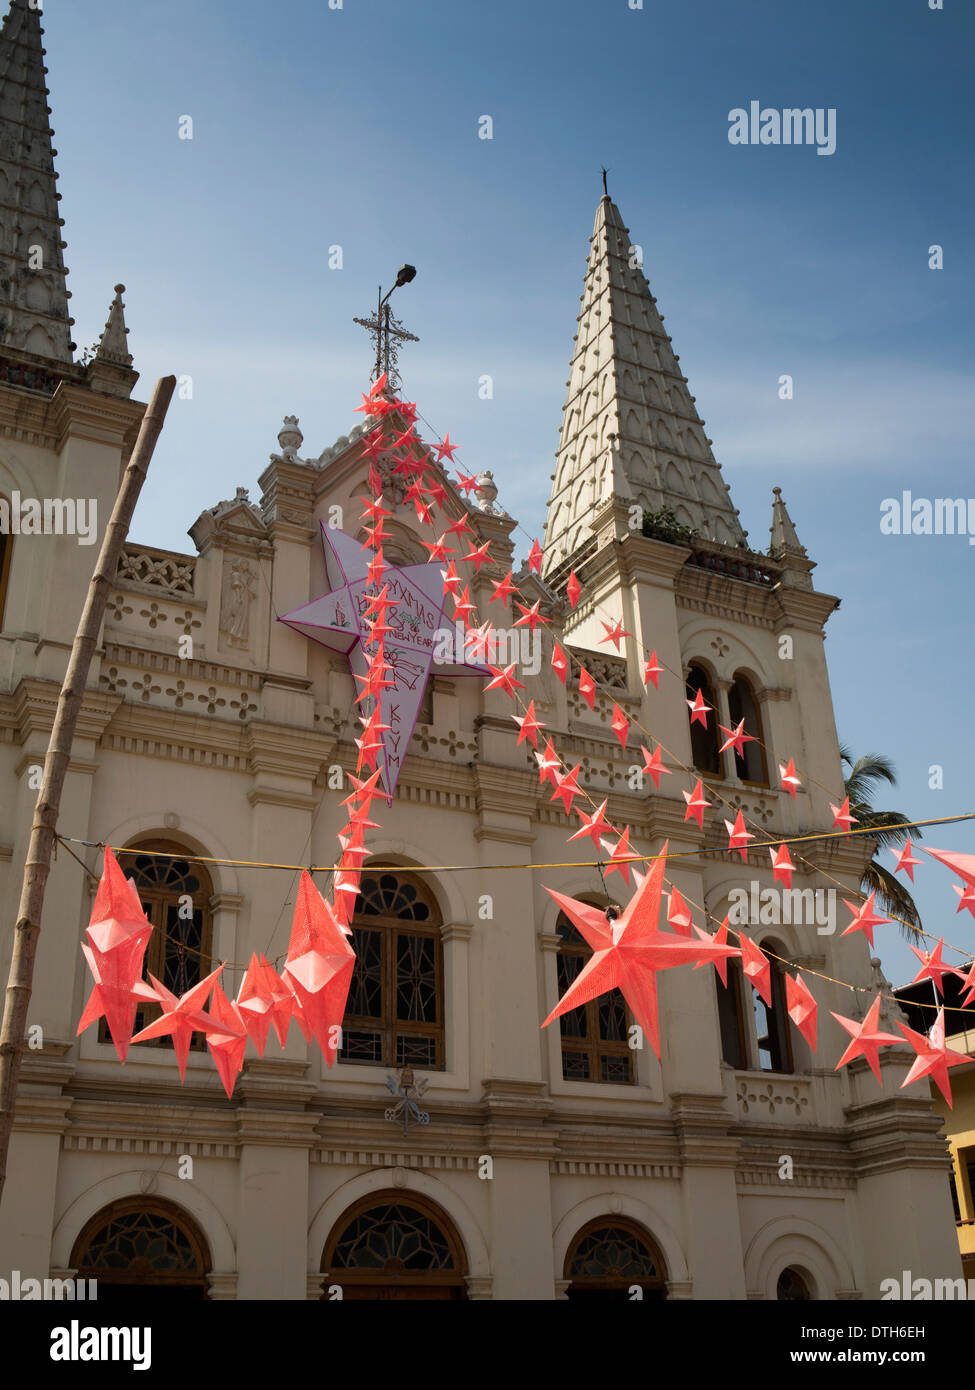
x=395, y=1245
x=141, y=1247
x=610, y=1258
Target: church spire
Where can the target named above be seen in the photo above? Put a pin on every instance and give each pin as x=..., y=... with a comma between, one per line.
x=628, y=410
x=34, y=314
x=786, y=547
x=110, y=370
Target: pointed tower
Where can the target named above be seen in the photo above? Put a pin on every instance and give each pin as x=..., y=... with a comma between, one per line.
x=626, y=396
x=786, y=547
x=34, y=314
x=110, y=370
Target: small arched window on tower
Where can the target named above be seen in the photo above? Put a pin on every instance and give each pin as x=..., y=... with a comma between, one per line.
x=175, y=894
x=704, y=741
x=772, y=1020
x=750, y=764
x=6, y=549
x=595, y=1036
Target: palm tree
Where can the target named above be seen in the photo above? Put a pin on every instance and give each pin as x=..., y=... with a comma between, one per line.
x=864, y=776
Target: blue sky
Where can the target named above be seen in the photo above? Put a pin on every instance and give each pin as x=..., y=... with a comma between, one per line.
x=358, y=127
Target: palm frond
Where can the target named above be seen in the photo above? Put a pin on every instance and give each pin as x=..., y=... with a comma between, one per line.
x=893, y=898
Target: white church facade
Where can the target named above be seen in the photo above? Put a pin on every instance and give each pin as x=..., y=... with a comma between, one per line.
x=555, y=1163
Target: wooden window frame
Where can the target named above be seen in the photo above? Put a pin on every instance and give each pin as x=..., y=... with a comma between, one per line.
x=169, y=1211
x=657, y=1287
x=734, y=988
x=388, y=1024
x=593, y=1046
x=447, y=1278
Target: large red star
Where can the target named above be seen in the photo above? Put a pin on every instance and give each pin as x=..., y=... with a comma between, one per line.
x=629, y=951
x=867, y=1038
x=933, y=1056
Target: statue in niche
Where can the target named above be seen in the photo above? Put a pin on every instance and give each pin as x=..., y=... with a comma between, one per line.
x=236, y=605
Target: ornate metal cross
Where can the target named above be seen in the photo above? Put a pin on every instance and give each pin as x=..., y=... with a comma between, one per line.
x=387, y=332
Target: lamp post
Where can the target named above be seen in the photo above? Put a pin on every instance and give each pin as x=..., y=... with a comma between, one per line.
x=388, y=332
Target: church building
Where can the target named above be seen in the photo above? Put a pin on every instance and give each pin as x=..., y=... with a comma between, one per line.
x=523, y=1162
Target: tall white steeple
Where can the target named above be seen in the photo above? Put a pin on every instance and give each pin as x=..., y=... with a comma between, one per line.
x=34, y=314
x=629, y=414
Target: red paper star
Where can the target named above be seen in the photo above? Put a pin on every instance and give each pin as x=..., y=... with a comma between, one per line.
x=437, y=493
x=460, y=528
x=696, y=804
x=801, y=1007
x=504, y=590
x=738, y=836
x=181, y=1017
x=587, y=687
x=573, y=588
x=933, y=1057
x=699, y=710
x=377, y=565
x=446, y=450
x=560, y=663
x=504, y=680
x=319, y=966
x=756, y=966
x=477, y=640
x=737, y=738
x=463, y=606
x=254, y=1000
x=653, y=765
x=629, y=952
x=962, y=864
x=790, y=781
x=720, y=938
x=535, y=558
x=621, y=856
x=439, y=550
x=864, y=918
x=595, y=826
x=966, y=898
x=867, y=1039
x=227, y=1041
x=566, y=788
x=478, y=556
x=548, y=765
x=468, y=482
x=451, y=579
x=118, y=932
x=933, y=967
x=782, y=865
x=842, y=814
x=528, y=725
x=620, y=725
x=614, y=633
x=651, y=671
x=531, y=616
x=679, y=914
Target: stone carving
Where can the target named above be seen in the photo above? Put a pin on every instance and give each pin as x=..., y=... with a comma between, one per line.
x=159, y=569
x=235, y=603
x=290, y=438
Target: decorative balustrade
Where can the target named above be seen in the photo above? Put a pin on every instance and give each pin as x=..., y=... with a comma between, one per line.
x=159, y=569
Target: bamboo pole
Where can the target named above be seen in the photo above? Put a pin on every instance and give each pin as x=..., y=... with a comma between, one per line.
x=38, y=864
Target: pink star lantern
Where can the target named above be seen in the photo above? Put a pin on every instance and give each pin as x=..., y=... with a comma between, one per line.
x=446, y=450
x=281, y=1008
x=652, y=763
x=451, y=579
x=548, y=765
x=737, y=738
x=531, y=616
x=782, y=865
x=503, y=590
x=966, y=898
x=467, y=481
x=254, y=1001
x=528, y=725
x=535, y=558
x=756, y=966
x=566, y=787
x=439, y=550
x=699, y=710
x=227, y=1040
x=905, y=860
x=962, y=864
x=560, y=663
x=933, y=1057
x=615, y=633
x=864, y=918
x=119, y=933
x=573, y=588
x=651, y=671
x=620, y=725
x=843, y=817
x=629, y=951
x=720, y=938
x=112, y=995
x=801, y=1008
x=594, y=826
x=587, y=687
x=621, y=856
x=696, y=804
x=867, y=1039
x=181, y=1017
x=738, y=836
x=933, y=967
x=478, y=556
x=790, y=780
x=679, y=914
x=504, y=680
x=336, y=621
x=319, y=966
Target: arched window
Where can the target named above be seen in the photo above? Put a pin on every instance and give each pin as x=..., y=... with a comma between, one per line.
x=395, y=1013
x=704, y=741
x=731, y=1017
x=772, y=1020
x=751, y=764
x=175, y=894
x=6, y=550
x=595, y=1040
x=141, y=1241
x=609, y=1256
x=792, y=1286
x=395, y=1245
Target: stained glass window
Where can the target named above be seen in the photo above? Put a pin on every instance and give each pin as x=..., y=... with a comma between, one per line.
x=142, y=1241
x=595, y=1037
x=611, y=1256
x=395, y=1245
x=394, y=1014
